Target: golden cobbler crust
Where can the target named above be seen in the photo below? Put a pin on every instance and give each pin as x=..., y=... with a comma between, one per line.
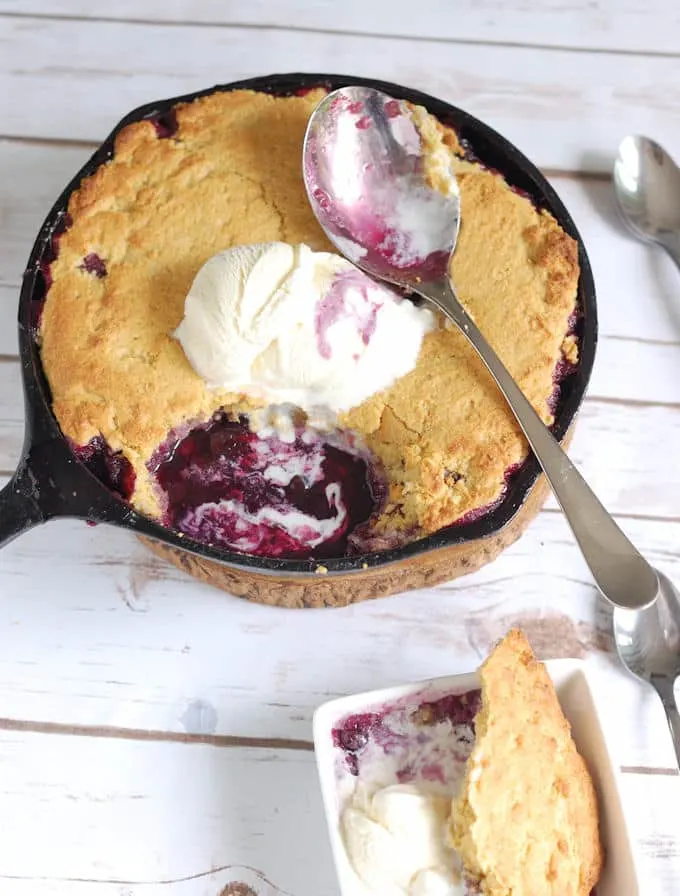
x=230, y=175
x=526, y=820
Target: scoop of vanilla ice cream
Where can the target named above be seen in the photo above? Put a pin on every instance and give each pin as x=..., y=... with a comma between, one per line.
x=395, y=841
x=285, y=324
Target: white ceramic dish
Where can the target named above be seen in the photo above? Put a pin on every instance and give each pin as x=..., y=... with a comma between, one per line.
x=619, y=876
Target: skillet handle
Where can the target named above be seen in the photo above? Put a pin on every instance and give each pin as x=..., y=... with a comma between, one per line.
x=19, y=509
x=50, y=483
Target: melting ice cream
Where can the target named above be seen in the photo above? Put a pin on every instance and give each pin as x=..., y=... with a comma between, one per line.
x=284, y=324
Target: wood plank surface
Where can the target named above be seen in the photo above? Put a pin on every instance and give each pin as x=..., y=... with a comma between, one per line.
x=249, y=816
x=155, y=732
x=566, y=110
x=638, y=298
x=131, y=814
x=98, y=631
x=632, y=26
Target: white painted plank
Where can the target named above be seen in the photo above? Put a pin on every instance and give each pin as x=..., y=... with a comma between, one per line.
x=658, y=853
x=73, y=81
x=11, y=413
x=638, y=289
x=636, y=370
x=131, y=814
x=627, y=368
x=229, y=882
x=9, y=298
x=627, y=452
x=31, y=178
x=97, y=631
x=119, y=817
x=654, y=27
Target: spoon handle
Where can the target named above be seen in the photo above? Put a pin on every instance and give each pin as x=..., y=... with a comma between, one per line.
x=671, y=243
x=664, y=688
x=623, y=576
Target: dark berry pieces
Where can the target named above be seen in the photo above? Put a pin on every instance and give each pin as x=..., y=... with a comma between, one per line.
x=94, y=264
x=111, y=468
x=224, y=485
x=166, y=125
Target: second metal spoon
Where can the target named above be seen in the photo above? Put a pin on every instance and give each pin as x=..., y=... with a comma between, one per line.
x=363, y=172
x=647, y=187
x=648, y=644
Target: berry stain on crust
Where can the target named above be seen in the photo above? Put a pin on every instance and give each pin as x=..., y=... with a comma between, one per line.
x=94, y=264
x=166, y=125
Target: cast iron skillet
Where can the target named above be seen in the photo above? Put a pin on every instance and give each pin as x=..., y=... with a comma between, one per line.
x=50, y=482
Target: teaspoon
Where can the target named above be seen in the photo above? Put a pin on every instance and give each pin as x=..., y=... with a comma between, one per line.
x=647, y=187
x=648, y=644
x=363, y=172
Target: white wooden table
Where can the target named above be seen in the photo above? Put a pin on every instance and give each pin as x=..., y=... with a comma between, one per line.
x=155, y=733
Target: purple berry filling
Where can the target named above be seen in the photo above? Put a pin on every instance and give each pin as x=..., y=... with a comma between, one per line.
x=224, y=485
x=564, y=368
x=44, y=276
x=166, y=125
x=380, y=727
x=385, y=247
x=111, y=468
x=458, y=709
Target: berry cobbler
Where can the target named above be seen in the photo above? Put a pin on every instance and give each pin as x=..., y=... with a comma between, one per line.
x=476, y=792
x=214, y=362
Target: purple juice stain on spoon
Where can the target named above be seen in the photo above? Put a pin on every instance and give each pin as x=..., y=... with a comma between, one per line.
x=365, y=176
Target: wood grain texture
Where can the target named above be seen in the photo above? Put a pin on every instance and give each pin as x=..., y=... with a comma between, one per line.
x=631, y=26
x=94, y=807
x=148, y=723
x=98, y=631
x=107, y=811
x=545, y=101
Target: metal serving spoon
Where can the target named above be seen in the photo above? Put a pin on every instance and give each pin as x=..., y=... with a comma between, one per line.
x=648, y=643
x=647, y=186
x=363, y=172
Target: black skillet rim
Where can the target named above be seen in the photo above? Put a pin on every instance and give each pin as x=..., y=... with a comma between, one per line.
x=491, y=149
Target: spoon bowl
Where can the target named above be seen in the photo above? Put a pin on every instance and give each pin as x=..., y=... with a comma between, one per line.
x=648, y=644
x=394, y=211
x=647, y=188
x=364, y=169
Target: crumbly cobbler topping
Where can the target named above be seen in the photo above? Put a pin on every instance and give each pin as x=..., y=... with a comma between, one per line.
x=229, y=173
